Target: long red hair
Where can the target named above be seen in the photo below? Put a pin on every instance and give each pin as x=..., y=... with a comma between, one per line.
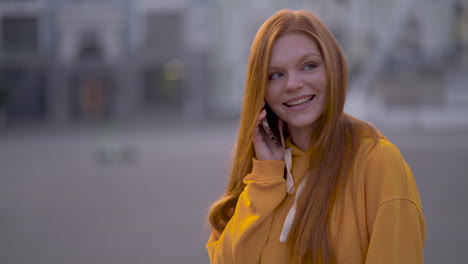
x=334, y=141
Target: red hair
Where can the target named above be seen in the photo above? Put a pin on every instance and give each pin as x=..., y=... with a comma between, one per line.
x=335, y=139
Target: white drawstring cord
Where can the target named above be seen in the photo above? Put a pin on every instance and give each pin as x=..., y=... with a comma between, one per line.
x=289, y=177
x=290, y=185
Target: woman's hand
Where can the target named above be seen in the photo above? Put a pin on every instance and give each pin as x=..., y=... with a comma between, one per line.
x=265, y=148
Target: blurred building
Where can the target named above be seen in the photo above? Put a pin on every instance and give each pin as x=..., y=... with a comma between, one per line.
x=65, y=60
x=410, y=59
x=403, y=55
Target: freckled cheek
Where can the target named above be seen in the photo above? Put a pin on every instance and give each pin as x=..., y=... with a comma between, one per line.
x=272, y=93
x=315, y=79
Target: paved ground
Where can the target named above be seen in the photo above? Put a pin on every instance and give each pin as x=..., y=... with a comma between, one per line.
x=120, y=194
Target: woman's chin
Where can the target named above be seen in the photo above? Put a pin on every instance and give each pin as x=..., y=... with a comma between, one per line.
x=301, y=124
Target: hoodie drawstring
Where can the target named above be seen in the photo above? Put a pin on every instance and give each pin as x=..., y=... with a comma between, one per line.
x=290, y=188
x=289, y=177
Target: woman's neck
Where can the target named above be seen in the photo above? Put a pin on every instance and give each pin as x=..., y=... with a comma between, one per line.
x=301, y=137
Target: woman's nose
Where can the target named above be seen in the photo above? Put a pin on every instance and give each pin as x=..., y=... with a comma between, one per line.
x=294, y=82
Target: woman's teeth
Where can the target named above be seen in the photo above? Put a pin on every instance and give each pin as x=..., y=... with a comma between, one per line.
x=300, y=101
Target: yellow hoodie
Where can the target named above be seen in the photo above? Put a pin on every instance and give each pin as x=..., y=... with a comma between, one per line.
x=381, y=222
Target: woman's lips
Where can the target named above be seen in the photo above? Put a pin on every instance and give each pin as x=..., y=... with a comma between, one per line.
x=300, y=103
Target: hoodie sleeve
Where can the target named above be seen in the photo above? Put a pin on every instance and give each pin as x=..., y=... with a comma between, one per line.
x=264, y=191
x=395, y=221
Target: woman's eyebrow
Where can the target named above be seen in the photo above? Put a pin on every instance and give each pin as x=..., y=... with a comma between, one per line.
x=310, y=54
x=301, y=59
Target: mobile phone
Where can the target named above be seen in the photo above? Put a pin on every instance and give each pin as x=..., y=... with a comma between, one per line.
x=270, y=126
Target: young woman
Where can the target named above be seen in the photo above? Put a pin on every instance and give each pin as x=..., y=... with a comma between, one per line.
x=334, y=190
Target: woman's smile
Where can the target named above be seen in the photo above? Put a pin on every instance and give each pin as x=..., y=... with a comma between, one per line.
x=299, y=104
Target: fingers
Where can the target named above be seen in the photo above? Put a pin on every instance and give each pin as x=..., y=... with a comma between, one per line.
x=262, y=114
x=260, y=118
x=265, y=148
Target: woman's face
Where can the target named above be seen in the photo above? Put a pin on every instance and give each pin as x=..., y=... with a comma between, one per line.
x=297, y=81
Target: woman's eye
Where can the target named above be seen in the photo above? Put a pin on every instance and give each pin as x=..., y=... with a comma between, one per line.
x=310, y=66
x=274, y=76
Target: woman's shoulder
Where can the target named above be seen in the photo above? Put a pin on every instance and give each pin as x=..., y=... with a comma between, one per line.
x=377, y=148
x=383, y=171
x=377, y=161
x=376, y=145
x=369, y=139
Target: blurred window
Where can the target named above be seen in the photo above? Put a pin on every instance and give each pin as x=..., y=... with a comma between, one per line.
x=159, y=88
x=24, y=91
x=90, y=46
x=19, y=34
x=164, y=31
